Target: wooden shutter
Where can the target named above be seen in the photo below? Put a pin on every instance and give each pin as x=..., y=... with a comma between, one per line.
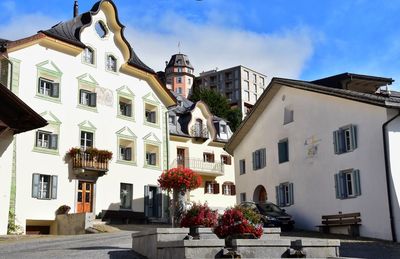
x=233, y=189
x=291, y=194
x=353, y=132
x=53, y=141
x=54, y=179
x=92, y=99
x=216, y=188
x=35, y=185
x=146, y=200
x=254, y=160
x=357, y=184
x=55, y=90
x=128, y=153
x=263, y=157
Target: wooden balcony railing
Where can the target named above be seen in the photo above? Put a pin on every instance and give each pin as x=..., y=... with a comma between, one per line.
x=200, y=166
x=86, y=161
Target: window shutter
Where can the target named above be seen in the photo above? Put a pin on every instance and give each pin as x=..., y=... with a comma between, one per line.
x=278, y=201
x=55, y=90
x=205, y=186
x=342, y=143
x=37, y=138
x=357, y=184
x=153, y=117
x=337, y=187
x=233, y=189
x=229, y=160
x=129, y=110
x=254, y=160
x=281, y=151
x=282, y=195
x=291, y=194
x=353, y=131
x=336, y=142
x=93, y=98
x=54, y=186
x=128, y=153
x=154, y=158
x=263, y=157
x=159, y=202
x=342, y=184
x=212, y=158
x=81, y=91
x=35, y=185
x=53, y=141
x=146, y=200
x=216, y=188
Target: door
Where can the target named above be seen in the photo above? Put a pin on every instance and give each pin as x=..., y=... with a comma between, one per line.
x=153, y=201
x=84, y=202
x=180, y=157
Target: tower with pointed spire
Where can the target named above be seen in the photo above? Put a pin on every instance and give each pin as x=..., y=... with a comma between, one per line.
x=179, y=74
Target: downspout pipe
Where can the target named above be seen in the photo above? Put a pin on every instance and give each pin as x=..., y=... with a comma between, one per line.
x=388, y=173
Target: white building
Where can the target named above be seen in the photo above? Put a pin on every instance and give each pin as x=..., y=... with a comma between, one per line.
x=84, y=78
x=324, y=147
x=197, y=138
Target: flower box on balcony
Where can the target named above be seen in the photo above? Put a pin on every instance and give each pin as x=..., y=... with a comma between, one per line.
x=90, y=159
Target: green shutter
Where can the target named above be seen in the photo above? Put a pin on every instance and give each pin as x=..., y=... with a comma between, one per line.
x=291, y=194
x=342, y=141
x=55, y=90
x=283, y=151
x=353, y=131
x=357, y=183
x=35, y=185
x=336, y=142
x=54, y=186
x=342, y=184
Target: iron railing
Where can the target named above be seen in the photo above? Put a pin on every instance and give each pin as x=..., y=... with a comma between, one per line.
x=199, y=165
x=199, y=132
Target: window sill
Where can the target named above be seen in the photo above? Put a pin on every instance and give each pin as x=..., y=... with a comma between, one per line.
x=126, y=162
x=88, y=108
x=46, y=151
x=89, y=64
x=112, y=72
x=48, y=98
x=154, y=125
x=155, y=167
x=123, y=117
x=283, y=162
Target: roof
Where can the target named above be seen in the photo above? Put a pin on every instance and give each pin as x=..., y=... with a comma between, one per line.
x=16, y=114
x=179, y=60
x=382, y=99
x=69, y=32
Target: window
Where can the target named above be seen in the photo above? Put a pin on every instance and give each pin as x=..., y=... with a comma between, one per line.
x=111, y=63
x=288, y=116
x=179, y=79
x=126, y=192
x=179, y=90
x=228, y=188
x=179, y=69
x=246, y=85
x=283, y=150
x=347, y=184
x=208, y=157
x=259, y=159
x=255, y=88
x=87, y=98
x=255, y=97
x=247, y=95
x=152, y=155
x=246, y=75
x=211, y=187
x=88, y=56
x=151, y=113
x=86, y=139
x=255, y=78
x=189, y=81
x=223, y=128
x=284, y=194
x=48, y=88
x=226, y=159
x=345, y=139
x=46, y=139
x=101, y=29
x=243, y=197
x=126, y=148
x=125, y=107
x=44, y=186
x=242, y=166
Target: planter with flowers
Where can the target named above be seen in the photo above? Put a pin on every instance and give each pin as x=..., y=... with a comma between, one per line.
x=239, y=223
x=90, y=158
x=199, y=215
x=179, y=180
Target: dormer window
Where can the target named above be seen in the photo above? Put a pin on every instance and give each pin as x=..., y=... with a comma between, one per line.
x=88, y=56
x=101, y=29
x=223, y=128
x=111, y=63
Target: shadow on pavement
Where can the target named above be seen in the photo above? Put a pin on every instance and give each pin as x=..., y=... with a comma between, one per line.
x=128, y=253
x=96, y=248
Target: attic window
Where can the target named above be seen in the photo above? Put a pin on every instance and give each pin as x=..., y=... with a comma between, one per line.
x=101, y=29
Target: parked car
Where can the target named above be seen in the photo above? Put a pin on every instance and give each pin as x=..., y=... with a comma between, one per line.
x=271, y=214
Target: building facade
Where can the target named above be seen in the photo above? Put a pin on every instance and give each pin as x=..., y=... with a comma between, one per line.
x=241, y=85
x=98, y=97
x=197, y=138
x=324, y=147
x=179, y=75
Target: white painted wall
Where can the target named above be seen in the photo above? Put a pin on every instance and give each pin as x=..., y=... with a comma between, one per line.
x=317, y=116
x=105, y=120
x=6, y=148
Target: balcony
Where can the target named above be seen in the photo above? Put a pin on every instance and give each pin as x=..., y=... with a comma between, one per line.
x=199, y=132
x=90, y=161
x=198, y=165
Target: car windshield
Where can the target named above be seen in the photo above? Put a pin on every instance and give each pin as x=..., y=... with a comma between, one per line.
x=269, y=207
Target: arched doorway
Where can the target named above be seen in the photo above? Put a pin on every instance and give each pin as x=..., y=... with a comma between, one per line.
x=260, y=194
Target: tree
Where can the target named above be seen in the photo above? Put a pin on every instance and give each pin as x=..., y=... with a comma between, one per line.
x=219, y=106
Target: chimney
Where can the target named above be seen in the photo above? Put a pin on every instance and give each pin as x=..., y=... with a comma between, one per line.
x=75, y=9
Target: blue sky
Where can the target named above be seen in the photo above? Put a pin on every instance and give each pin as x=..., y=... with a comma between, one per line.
x=305, y=39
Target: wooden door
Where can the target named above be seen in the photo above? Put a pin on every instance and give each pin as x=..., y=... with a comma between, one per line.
x=84, y=202
x=180, y=157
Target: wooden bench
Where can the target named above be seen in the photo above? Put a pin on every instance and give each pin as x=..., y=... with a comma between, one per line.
x=123, y=216
x=349, y=220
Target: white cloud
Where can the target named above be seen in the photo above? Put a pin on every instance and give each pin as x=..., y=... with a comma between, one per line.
x=209, y=46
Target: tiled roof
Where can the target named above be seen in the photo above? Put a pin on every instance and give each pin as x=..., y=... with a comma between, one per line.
x=179, y=60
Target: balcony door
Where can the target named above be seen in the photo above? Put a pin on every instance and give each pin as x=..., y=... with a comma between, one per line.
x=180, y=154
x=84, y=202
